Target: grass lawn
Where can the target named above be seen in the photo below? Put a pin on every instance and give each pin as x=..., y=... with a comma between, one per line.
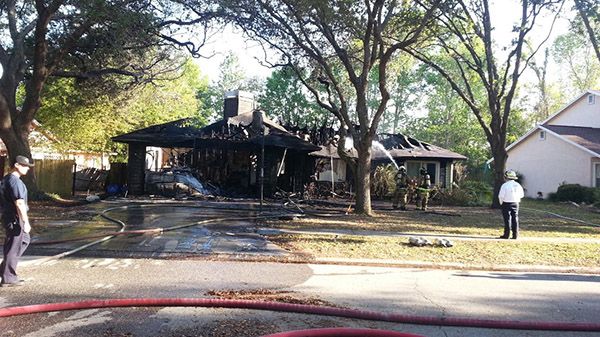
x=472, y=222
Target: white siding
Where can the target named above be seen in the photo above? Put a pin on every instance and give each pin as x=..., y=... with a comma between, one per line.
x=545, y=164
x=339, y=171
x=579, y=113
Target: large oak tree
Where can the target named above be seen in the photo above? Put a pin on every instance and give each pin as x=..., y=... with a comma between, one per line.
x=338, y=43
x=79, y=39
x=465, y=35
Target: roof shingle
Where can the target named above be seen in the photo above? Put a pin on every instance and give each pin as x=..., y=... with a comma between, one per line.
x=588, y=138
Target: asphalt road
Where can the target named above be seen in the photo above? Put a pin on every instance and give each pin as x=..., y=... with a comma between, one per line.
x=436, y=293
x=139, y=267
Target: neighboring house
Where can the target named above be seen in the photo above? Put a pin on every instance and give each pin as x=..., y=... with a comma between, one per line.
x=564, y=148
x=41, y=146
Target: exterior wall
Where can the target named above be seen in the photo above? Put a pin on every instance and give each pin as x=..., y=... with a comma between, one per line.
x=580, y=113
x=338, y=172
x=41, y=148
x=545, y=164
x=154, y=158
x=413, y=167
x=88, y=160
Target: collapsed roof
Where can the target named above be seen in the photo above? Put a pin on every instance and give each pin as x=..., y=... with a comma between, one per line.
x=231, y=133
x=396, y=146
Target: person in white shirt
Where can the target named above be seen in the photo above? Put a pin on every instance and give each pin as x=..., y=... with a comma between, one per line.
x=510, y=196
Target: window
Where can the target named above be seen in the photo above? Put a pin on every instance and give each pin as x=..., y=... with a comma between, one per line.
x=591, y=99
x=542, y=135
x=597, y=174
x=413, y=168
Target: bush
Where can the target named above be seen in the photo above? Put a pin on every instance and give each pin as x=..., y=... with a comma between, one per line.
x=576, y=193
x=382, y=182
x=483, y=190
x=41, y=195
x=469, y=193
x=457, y=197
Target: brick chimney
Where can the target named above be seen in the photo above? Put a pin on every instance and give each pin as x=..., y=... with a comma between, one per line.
x=237, y=102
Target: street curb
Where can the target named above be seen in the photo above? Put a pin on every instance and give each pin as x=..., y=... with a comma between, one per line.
x=297, y=259
x=460, y=266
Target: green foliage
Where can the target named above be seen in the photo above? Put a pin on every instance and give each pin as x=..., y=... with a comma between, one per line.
x=102, y=108
x=579, y=68
x=576, y=193
x=541, y=98
x=286, y=101
x=382, y=182
x=483, y=190
x=232, y=77
x=406, y=92
x=40, y=195
x=470, y=193
x=449, y=122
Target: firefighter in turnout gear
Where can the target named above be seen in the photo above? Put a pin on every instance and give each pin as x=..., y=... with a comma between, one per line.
x=423, y=186
x=401, y=193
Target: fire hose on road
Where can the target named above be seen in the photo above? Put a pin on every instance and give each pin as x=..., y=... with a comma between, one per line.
x=300, y=308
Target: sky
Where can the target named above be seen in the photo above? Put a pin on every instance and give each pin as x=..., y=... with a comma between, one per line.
x=232, y=40
x=248, y=52
x=503, y=12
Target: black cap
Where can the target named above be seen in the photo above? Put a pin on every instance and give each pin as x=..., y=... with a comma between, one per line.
x=22, y=160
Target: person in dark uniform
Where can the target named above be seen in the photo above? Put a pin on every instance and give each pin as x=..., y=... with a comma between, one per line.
x=13, y=202
x=401, y=193
x=423, y=186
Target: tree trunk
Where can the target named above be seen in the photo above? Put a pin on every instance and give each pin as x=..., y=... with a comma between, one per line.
x=363, y=178
x=17, y=143
x=588, y=27
x=500, y=157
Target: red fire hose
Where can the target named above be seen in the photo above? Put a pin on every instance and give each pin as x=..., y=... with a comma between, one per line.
x=342, y=332
x=301, y=308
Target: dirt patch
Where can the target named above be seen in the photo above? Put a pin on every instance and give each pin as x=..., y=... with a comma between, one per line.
x=59, y=209
x=268, y=295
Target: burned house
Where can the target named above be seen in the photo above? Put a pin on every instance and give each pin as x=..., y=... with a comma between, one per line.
x=396, y=149
x=414, y=154
x=227, y=153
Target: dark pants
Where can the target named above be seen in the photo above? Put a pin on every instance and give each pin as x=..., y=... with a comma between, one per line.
x=510, y=213
x=15, y=243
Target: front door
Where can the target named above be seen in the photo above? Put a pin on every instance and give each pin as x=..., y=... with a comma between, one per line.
x=432, y=173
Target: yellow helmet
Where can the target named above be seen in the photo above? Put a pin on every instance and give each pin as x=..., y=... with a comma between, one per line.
x=511, y=175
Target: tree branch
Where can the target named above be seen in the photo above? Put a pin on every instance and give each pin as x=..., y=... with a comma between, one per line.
x=588, y=27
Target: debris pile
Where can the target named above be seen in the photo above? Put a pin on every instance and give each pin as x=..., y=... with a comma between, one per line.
x=421, y=241
x=174, y=182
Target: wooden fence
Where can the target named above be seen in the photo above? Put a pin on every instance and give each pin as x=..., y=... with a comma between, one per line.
x=55, y=176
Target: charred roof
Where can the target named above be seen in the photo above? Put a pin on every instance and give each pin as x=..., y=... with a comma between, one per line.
x=230, y=133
